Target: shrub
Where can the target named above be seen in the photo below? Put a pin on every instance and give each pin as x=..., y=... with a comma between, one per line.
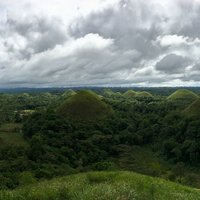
x=103, y=166
x=27, y=178
x=100, y=177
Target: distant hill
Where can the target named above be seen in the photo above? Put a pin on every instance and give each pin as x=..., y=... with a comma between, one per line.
x=68, y=93
x=108, y=92
x=183, y=94
x=193, y=109
x=84, y=105
x=118, y=94
x=104, y=186
x=143, y=94
x=130, y=94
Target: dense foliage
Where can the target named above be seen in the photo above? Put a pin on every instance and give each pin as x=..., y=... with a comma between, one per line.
x=54, y=145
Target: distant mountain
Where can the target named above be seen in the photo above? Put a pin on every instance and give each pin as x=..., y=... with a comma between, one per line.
x=85, y=105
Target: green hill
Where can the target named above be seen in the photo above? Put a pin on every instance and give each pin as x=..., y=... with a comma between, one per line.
x=143, y=94
x=103, y=186
x=85, y=105
x=108, y=92
x=68, y=93
x=118, y=94
x=130, y=94
x=193, y=109
x=183, y=94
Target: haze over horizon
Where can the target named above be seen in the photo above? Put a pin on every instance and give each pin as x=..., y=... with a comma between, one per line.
x=55, y=43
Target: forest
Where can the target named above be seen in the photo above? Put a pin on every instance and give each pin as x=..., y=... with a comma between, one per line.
x=48, y=134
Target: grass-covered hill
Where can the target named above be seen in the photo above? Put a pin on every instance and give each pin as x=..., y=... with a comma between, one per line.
x=108, y=92
x=103, y=186
x=85, y=105
x=68, y=93
x=144, y=94
x=183, y=94
x=193, y=109
x=130, y=94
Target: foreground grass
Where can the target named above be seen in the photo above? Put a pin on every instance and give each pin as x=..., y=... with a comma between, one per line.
x=103, y=186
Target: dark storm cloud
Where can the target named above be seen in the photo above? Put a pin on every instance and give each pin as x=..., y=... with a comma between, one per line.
x=172, y=64
x=41, y=33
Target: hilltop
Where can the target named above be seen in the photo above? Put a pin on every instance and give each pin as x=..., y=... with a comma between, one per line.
x=193, y=109
x=68, y=93
x=183, y=94
x=84, y=105
x=104, y=186
x=108, y=92
x=130, y=94
x=144, y=94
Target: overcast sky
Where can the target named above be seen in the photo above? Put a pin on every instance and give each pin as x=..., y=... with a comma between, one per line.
x=99, y=42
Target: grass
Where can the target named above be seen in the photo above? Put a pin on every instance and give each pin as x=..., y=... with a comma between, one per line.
x=10, y=135
x=103, y=186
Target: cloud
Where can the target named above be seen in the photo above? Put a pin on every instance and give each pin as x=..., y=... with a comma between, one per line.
x=172, y=64
x=172, y=40
x=109, y=42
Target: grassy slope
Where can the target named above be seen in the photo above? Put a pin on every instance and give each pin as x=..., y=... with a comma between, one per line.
x=183, y=94
x=84, y=105
x=144, y=94
x=104, y=186
x=68, y=93
x=130, y=93
x=10, y=135
x=193, y=109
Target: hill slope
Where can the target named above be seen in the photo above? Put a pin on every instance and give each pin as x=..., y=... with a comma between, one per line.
x=104, y=186
x=68, y=93
x=130, y=94
x=183, y=94
x=144, y=94
x=193, y=109
x=85, y=105
x=108, y=92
